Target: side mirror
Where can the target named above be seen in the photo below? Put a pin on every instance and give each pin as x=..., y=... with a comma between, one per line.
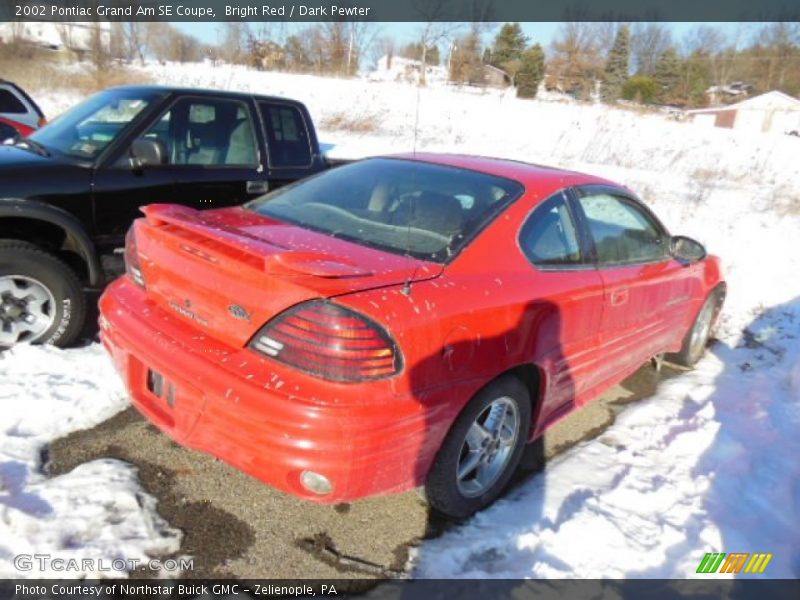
x=686, y=250
x=146, y=151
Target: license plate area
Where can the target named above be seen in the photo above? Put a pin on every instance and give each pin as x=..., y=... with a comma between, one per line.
x=160, y=387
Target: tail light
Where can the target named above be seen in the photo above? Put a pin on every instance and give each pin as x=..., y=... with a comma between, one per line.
x=329, y=341
x=132, y=266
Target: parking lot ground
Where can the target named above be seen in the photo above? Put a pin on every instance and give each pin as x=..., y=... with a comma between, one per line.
x=235, y=526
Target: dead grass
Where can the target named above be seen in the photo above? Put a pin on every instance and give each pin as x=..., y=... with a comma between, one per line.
x=786, y=201
x=344, y=121
x=38, y=71
x=703, y=181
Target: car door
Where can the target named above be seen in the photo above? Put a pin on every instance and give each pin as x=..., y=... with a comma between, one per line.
x=642, y=282
x=569, y=303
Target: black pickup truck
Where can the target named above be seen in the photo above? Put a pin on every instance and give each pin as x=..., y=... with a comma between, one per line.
x=69, y=192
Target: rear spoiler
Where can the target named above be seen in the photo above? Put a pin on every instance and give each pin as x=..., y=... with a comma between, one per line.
x=237, y=245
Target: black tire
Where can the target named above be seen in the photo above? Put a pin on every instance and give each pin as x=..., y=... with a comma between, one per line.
x=443, y=491
x=696, y=339
x=68, y=309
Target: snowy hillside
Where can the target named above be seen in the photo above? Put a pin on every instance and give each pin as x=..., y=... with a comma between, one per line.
x=709, y=463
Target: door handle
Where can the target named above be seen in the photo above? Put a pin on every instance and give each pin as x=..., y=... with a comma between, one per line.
x=619, y=296
x=257, y=187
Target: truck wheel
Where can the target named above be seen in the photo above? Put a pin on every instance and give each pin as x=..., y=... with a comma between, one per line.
x=41, y=300
x=696, y=339
x=481, y=451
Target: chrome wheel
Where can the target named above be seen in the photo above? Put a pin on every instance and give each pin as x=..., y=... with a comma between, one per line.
x=488, y=447
x=701, y=329
x=27, y=309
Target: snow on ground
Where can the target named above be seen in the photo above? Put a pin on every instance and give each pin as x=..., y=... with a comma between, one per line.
x=706, y=464
x=98, y=510
x=709, y=463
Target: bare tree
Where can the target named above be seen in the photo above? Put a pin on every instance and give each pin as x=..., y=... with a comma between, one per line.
x=604, y=35
x=782, y=39
x=99, y=42
x=434, y=28
x=576, y=62
x=66, y=33
x=465, y=64
x=337, y=49
x=158, y=34
x=136, y=41
x=648, y=42
x=235, y=40
x=384, y=46
x=362, y=37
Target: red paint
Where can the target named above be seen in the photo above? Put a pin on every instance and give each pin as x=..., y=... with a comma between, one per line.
x=461, y=326
x=23, y=129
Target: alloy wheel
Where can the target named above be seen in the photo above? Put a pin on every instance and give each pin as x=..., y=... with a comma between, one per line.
x=701, y=329
x=488, y=447
x=27, y=309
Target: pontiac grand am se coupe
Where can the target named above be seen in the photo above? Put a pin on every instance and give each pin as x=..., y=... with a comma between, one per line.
x=401, y=321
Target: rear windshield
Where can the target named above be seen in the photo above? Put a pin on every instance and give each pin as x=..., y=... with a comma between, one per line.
x=406, y=207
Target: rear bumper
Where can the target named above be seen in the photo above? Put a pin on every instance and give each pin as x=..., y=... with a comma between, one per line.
x=262, y=417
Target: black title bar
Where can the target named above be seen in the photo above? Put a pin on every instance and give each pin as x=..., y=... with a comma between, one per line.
x=707, y=588
x=400, y=10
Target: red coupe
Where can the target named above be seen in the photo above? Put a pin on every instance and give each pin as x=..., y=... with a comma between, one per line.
x=400, y=321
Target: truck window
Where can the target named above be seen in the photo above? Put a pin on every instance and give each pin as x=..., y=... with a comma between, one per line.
x=209, y=132
x=287, y=135
x=9, y=103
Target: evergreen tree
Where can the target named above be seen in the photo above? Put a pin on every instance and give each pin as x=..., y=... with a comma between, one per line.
x=696, y=79
x=641, y=89
x=531, y=72
x=616, y=71
x=509, y=44
x=667, y=75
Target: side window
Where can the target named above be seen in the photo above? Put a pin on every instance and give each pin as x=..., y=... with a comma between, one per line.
x=549, y=237
x=207, y=132
x=9, y=103
x=287, y=136
x=622, y=232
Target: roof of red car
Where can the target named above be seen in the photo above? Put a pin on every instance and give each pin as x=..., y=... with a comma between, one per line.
x=526, y=173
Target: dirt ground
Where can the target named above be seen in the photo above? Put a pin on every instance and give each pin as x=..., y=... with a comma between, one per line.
x=235, y=526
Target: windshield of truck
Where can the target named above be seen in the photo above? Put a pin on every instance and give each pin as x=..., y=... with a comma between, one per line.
x=86, y=130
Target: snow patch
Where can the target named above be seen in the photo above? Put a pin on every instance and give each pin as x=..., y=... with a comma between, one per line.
x=98, y=510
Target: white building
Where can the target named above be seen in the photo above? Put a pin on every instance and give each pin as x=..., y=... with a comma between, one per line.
x=76, y=36
x=407, y=70
x=772, y=112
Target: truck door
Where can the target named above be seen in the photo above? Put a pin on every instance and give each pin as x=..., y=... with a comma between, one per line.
x=214, y=152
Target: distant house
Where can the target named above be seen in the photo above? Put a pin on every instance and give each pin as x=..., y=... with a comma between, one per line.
x=723, y=94
x=398, y=68
x=494, y=77
x=65, y=35
x=772, y=112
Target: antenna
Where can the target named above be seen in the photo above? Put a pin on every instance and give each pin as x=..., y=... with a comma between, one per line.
x=407, y=284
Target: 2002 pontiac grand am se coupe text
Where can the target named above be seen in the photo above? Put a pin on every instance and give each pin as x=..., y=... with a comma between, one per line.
x=399, y=321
